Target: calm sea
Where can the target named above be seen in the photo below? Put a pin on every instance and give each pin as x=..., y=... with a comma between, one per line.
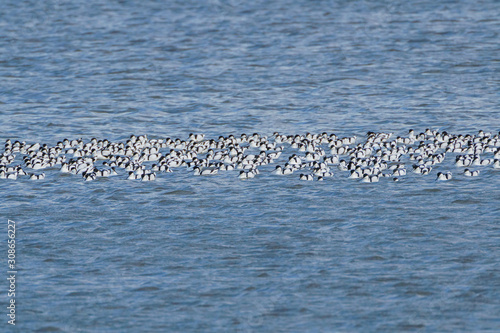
x=215, y=254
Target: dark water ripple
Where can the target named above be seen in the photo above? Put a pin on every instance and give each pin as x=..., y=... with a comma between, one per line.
x=271, y=255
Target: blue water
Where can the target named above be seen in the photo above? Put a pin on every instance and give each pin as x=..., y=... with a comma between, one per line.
x=198, y=254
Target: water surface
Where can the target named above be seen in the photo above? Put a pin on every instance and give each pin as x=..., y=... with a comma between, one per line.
x=216, y=254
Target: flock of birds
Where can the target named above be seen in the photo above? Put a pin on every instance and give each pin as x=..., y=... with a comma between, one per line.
x=314, y=157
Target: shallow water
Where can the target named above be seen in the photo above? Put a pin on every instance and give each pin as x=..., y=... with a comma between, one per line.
x=273, y=254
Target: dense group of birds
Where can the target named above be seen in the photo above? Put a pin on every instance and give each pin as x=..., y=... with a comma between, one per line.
x=311, y=156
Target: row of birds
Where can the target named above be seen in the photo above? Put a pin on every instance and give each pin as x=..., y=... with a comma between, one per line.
x=376, y=155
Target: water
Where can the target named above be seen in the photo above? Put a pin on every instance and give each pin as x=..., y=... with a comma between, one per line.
x=273, y=254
